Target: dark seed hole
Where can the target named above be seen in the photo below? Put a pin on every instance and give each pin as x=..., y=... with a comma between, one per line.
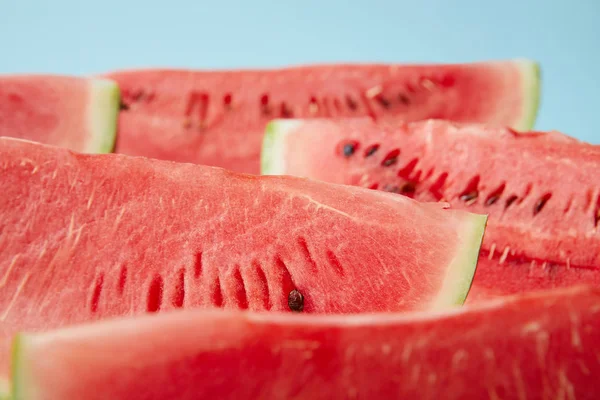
x=352, y=104
x=385, y=103
x=408, y=189
x=286, y=112
x=198, y=265
x=155, y=294
x=96, y=294
x=241, y=296
x=371, y=150
x=217, y=292
x=438, y=186
x=179, y=292
x=296, y=301
x=264, y=103
x=471, y=192
x=495, y=195
x=122, y=279
x=123, y=106
x=539, y=205
x=402, y=98
x=391, y=158
x=227, y=100
x=408, y=169
x=137, y=95
x=511, y=199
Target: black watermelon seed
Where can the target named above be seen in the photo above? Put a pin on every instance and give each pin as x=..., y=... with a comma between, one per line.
x=296, y=301
x=491, y=200
x=371, y=150
x=469, y=196
x=389, y=161
x=349, y=149
x=123, y=106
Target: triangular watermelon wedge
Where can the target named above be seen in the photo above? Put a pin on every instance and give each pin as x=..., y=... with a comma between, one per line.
x=129, y=235
x=217, y=117
x=534, y=346
x=73, y=112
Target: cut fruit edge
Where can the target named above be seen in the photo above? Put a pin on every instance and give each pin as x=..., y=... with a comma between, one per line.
x=531, y=92
x=272, y=161
x=461, y=271
x=102, y=116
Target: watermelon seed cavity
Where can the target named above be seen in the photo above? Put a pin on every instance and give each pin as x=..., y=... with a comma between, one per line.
x=385, y=103
x=408, y=189
x=352, y=105
x=307, y=256
x=155, y=294
x=541, y=203
x=408, y=169
x=391, y=158
x=122, y=279
x=96, y=294
x=349, y=148
x=403, y=99
x=296, y=301
x=286, y=112
x=495, y=195
x=227, y=99
x=179, y=293
x=264, y=104
x=198, y=265
x=510, y=200
x=471, y=192
x=371, y=150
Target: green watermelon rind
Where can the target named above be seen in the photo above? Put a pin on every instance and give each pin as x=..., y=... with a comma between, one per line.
x=532, y=86
x=103, y=114
x=5, y=389
x=17, y=369
x=461, y=271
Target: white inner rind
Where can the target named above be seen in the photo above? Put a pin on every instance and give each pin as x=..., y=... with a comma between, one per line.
x=272, y=158
x=103, y=112
x=461, y=271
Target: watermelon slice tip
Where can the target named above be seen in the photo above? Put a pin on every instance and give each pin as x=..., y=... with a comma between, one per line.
x=532, y=76
x=103, y=116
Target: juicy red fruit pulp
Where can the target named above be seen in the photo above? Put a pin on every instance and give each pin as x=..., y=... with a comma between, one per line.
x=218, y=117
x=537, y=188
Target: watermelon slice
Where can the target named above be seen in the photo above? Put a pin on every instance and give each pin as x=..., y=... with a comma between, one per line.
x=218, y=117
x=538, y=346
x=72, y=112
x=539, y=189
x=84, y=237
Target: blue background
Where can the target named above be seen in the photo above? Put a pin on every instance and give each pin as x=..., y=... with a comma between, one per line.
x=82, y=37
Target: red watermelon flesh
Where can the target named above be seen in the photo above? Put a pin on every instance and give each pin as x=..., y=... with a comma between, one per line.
x=84, y=237
x=73, y=112
x=218, y=117
x=534, y=346
x=539, y=189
